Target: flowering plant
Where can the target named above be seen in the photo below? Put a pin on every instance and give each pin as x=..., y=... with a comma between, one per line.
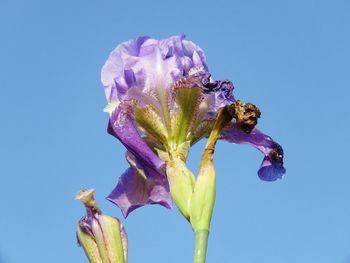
x=161, y=101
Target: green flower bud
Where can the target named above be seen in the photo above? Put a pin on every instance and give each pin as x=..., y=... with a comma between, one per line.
x=203, y=197
x=181, y=182
x=102, y=237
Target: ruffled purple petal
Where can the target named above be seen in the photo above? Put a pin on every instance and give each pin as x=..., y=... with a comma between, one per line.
x=113, y=72
x=271, y=167
x=122, y=126
x=216, y=93
x=149, y=64
x=194, y=55
x=219, y=92
x=224, y=95
x=154, y=73
x=140, y=185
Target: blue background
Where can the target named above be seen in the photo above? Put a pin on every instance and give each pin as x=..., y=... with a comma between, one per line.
x=291, y=58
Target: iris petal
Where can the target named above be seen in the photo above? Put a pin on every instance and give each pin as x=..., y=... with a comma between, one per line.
x=140, y=185
x=122, y=126
x=149, y=64
x=271, y=167
x=113, y=70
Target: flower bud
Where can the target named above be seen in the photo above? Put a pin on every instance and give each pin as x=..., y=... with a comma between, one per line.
x=203, y=197
x=181, y=181
x=102, y=237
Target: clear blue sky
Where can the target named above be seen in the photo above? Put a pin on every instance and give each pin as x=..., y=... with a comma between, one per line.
x=291, y=58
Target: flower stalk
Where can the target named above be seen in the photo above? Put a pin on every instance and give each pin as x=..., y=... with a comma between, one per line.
x=201, y=245
x=203, y=198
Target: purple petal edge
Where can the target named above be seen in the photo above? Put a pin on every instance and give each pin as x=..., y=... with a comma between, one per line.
x=271, y=167
x=134, y=190
x=122, y=126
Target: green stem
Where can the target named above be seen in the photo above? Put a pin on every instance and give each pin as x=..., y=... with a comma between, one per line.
x=201, y=245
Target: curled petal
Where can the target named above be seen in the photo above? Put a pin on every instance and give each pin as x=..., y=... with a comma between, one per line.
x=199, y=77
x=224, y=96
x=246, y=115
x=219, y=92
x=122, y=126
x=271, y=167
x=140, y=185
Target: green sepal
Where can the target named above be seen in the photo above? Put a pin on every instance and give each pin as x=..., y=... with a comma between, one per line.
x=107, y=234
x=89, y=245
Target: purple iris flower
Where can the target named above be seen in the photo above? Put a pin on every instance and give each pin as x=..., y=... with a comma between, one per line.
x=162, y=100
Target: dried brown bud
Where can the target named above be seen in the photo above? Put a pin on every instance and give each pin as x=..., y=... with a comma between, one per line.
x=246, y=115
